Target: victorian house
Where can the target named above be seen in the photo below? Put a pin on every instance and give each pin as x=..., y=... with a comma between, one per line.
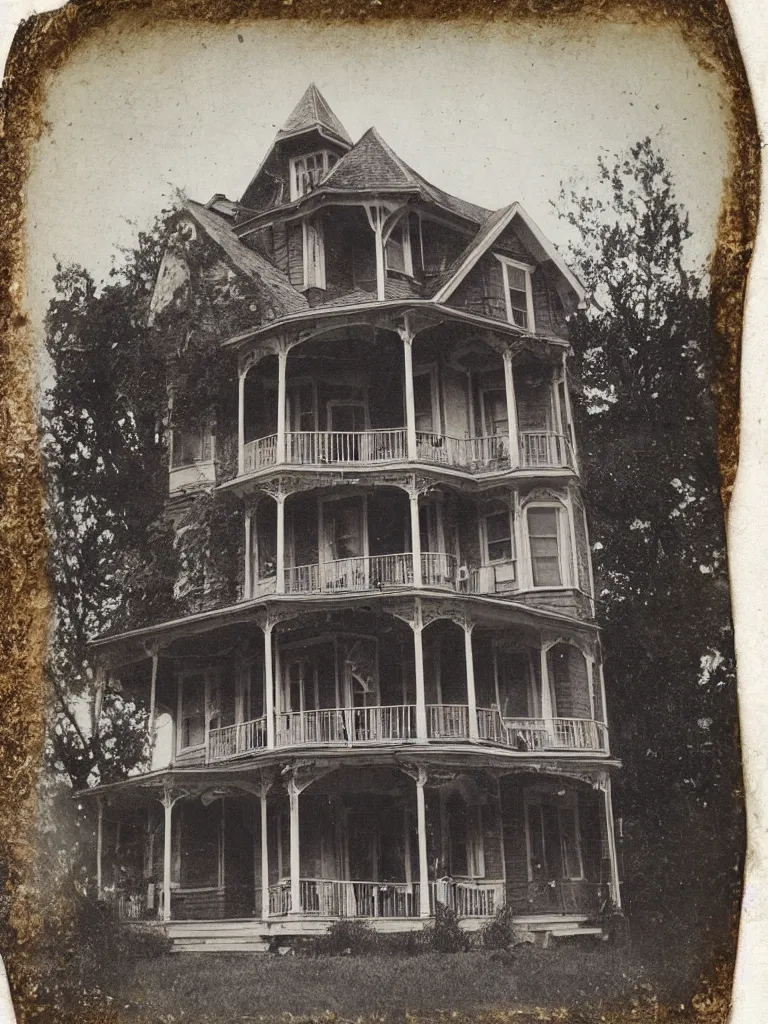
x=401, y=701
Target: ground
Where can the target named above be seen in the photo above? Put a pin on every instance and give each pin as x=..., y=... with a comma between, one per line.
x=527, y=983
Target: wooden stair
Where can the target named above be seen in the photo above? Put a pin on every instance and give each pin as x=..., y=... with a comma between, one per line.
x=244, y=936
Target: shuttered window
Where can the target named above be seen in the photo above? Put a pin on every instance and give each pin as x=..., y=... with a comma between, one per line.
x=544, y=542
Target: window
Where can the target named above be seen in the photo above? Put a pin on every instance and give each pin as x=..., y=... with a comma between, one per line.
x=190, y=445
x=518, y=293
x=192, y=711
x=544, y=540
x=308, y=171
x=553, y=838
x=498, y=536
x=314, y=254
x=464, y=826
x=397, y=251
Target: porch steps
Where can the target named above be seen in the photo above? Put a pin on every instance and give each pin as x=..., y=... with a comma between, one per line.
x=238, y=936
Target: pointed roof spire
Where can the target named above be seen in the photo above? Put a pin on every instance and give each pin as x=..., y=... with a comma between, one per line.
x=312, y=112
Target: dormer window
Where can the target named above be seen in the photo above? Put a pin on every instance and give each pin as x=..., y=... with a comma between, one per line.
x=397, y=251
x=518, y=293
x=308, y=171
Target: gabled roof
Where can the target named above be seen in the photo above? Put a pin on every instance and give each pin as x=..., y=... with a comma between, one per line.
x=281, y=295
x=539, y=246
x=313, y=113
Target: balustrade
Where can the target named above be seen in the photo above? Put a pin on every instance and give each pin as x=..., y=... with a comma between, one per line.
x=467, y=899
x=336, y=898
x=371, y=572
x=545, y=450
x=233, y=740
x=378, y=724
x=447, y=721
x=320, y=448
x=260, y=454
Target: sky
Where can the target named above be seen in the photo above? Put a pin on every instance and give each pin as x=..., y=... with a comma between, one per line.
x=492, y=113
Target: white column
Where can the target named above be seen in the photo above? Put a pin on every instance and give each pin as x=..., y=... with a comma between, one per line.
x=381, y=275
x=269, y=687
x=280, y=568
x=570, y=431
x=421, y=823
x=264, y=855
x=99, y=844
x=514, y=435
x=410, y=405
x=282, y=358
x=153, y=698
x=248, y=583
x=413, y=499
x=546, y=696
x=241, y=422
x=471, y=697
x=168, y=803
x=295, y=858
x=418, y=655
x=611, y=837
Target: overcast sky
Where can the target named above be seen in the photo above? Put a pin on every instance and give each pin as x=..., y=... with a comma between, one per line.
x=491, y=114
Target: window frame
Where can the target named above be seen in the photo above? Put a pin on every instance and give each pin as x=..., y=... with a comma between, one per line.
x=569, y=802
x=207, y=440
x=403, y=226
x=211, y=678
x=512, y=560
x=527, y=269
x=562, y=560
x=314, y=270
x=329, y=160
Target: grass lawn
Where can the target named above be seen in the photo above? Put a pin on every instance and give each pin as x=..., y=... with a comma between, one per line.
x=225, y=987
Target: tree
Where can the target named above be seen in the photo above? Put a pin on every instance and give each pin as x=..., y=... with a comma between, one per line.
x=644, y=352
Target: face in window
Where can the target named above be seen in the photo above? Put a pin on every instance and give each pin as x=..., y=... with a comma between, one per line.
x=518, y=295
x=499, y=534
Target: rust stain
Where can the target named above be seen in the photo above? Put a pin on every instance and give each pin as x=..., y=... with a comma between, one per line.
x=41, y=45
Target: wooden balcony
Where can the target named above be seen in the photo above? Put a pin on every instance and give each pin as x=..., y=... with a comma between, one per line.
x=538, y=450
x=370, y=573
x=365, y=726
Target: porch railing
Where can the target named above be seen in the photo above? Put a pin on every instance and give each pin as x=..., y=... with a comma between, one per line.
x=467, y=899
x=232, y=740
x=260, y=453
x=473, y=454
x=334, y=898
x=279, y=899
x=320, y=448
x=347, y=726
x=447, y=721
x=555, y=734
x=438, y=569
x=544, y=449
x=372, y=572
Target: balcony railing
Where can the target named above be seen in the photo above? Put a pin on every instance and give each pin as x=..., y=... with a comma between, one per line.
x=336, y=898
x=347, y=726
x=438, y=569
x=366, y=572
x=538, y=449
x=545, y=450
x=345, y=448
x=396, y=723
x=233, y=740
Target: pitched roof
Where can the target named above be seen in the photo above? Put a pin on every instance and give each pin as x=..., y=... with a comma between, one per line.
x=373, y=164
x=312, y=112
x=279, y=293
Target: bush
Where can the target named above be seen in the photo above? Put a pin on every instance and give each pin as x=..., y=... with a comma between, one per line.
x=500, y=933
x=344, y=936
x=446, y=936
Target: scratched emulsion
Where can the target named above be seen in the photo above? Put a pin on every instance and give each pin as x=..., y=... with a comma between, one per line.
x=41, y=45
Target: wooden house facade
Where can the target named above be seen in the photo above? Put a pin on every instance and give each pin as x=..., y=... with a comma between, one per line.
x=404, y=703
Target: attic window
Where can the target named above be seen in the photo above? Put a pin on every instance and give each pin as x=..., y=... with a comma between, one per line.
x=308, y=171
x=518, y=293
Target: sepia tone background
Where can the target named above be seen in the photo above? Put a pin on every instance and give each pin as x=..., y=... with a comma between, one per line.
x=86, y=233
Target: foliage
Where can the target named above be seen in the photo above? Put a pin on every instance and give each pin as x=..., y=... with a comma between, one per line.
x=445, y=935
x=345, y=936
x=500, y=932
x=643, y=358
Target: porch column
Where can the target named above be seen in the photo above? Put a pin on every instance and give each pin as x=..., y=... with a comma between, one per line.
x=471, y=697
x=418, y=656
x=570, y=432
x=264, y=853
x=295, y=853
x=546, y=695
x=99, y=844
x=269, y=686
x=153, y=697
x=241, y=422
x=509, y=387
x=248, y=582
x=168, y=801
x=282, y=358
x=413, y=501
x=280, y=556
x=421, y=824
x=611, y=837
x=410, y=405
